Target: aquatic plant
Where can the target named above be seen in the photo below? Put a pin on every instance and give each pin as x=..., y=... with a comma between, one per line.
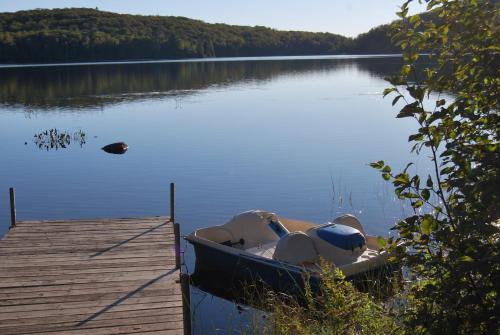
x=53, y=139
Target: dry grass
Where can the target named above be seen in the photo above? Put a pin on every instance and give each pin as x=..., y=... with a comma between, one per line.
x=338, y=308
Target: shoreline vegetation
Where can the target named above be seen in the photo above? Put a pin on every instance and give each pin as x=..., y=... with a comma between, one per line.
x=74, y=35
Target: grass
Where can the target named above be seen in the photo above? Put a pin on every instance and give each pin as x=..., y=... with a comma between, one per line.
x=338, y=307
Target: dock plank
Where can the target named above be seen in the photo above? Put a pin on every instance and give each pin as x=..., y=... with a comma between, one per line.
x=100, y=277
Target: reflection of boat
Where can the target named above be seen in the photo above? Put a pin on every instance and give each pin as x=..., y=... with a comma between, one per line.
x=218, y=284
x=278, y=250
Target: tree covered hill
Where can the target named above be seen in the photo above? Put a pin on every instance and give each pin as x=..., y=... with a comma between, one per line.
x=375, y=41
x=83, y=34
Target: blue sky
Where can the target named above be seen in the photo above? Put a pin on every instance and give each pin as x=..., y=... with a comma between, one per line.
x=346, y=17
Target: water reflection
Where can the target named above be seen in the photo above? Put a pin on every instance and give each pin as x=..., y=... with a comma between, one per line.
x=219, y=285
x=243, y=303
x=93, y=87
x=54, y=139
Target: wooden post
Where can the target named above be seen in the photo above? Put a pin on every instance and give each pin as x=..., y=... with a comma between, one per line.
x=177, y=233
x=186, y=303
x=172, y=202
x=12, y=207
x=177, y=236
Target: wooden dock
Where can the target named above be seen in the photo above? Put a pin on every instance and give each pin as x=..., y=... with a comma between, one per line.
x=113, y=276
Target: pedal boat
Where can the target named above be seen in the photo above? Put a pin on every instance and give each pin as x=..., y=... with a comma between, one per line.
x=278, y=250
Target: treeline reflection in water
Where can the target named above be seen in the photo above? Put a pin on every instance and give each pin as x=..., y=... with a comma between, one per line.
x=77, y=88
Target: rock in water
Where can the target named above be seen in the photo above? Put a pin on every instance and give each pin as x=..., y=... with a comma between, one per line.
x=118, y=148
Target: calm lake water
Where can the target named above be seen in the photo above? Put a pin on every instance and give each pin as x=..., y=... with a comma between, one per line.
x=293, y=135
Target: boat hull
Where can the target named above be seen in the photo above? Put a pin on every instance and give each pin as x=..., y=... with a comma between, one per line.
x=276, y=275
x=238, y=266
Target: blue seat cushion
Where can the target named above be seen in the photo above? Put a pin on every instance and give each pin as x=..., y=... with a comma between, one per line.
x=341, y=236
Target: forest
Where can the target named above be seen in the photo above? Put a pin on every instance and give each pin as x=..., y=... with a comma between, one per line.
x=84, y=34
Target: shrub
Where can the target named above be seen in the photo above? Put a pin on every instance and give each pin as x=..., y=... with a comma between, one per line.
x=451, y=242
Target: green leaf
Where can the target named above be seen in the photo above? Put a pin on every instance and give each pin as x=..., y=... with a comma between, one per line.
x=381, y=241
x=404, y=11
x=386, y=176
x=415, y=137
x=426, y=226
x=407, y=166
x=405, y=70
x=377, y=165
x=409, y=110
x=387, y=169
x=392, y=260
x=440, y=103
x=446, y=170
x=416, y=181
x=465, y=259
x=395, y=101
x=417, y=204
x=400, y=180
x=425, y=194
x=389, y=90
x=429, y=182
x=416, y=92
x=414, y=19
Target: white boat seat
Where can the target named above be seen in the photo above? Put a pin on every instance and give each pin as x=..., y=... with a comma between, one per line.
x=255, y=228
x=351, y=221
x=296, y=248
x=337, y=243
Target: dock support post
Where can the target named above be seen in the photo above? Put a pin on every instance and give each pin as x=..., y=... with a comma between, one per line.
x=12, y=193
x=177, y=234
x=172, y=202
x=185, y=288
x=186, y=303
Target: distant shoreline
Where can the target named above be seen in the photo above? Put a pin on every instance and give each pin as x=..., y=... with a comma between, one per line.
x=85, y=35
x=207, y=59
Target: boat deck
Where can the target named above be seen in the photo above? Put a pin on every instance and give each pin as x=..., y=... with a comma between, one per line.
x=113, y=276
x=264, y=250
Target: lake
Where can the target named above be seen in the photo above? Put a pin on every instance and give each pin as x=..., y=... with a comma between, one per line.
x=292, y=135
